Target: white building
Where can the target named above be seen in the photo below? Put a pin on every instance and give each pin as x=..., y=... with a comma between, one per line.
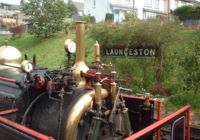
x=142, y=8
x=99, y=8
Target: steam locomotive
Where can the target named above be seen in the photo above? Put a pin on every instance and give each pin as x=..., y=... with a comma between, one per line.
x=77, y=102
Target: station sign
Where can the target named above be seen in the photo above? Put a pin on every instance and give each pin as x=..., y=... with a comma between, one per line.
x=131, y=52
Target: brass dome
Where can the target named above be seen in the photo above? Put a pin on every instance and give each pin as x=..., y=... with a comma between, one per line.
x=10, y=55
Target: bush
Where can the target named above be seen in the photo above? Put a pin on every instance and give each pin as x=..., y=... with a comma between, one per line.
x=187, y=12
x=109, y=17
x=140, y=72
x=89, y=19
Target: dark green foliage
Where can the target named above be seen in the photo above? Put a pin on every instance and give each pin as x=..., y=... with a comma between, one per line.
x=72, y=8
x=184, y=98
x=89, y=19
x=191, y=64
x=109, y=17
x=45, y=16
x=141, y=72
x=187, y=12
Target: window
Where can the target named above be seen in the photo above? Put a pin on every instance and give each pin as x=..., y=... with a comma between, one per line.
x=148, y=3
x=149, y=15
x=157, y=4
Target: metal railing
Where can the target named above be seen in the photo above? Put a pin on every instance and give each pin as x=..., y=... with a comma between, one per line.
x=157, y=125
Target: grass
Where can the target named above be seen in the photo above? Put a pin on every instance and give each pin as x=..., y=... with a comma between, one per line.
x=181, y=99
x=50, y=52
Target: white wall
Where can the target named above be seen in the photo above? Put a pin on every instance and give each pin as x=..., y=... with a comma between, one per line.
x=103, y=6
x=96, y=8
x=139, y=4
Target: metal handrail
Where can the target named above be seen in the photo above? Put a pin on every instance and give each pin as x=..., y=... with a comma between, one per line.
x=157, y=125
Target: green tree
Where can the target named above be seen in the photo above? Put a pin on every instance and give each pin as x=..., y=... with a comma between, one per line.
x=109, y=17
x=45, y=16
x=72, y=8
x=187, y=12
x=88, y=19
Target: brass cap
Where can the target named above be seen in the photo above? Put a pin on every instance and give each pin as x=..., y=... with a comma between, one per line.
x=10, y=55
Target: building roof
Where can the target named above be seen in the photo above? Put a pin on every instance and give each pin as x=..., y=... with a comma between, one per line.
x=9, y=6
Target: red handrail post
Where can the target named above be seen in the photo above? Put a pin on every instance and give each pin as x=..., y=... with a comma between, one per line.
x=188, y=123
x=159, y=124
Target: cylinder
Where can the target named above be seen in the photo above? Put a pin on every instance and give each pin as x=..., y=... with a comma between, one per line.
x=98, y=95
x=97, y=51
x=80, y=55
x=80, y=32
x=113, y=92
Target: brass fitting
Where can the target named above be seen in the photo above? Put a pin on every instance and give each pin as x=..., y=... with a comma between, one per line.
x=113, y=91
x=113, y=74
x=97, y=52
x=98, y=95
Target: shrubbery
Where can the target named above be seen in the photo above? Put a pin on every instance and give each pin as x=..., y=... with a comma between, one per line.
x=187, y=12
x=88, y=19
x=178, y=64
x=140, y=72
x=109, y=17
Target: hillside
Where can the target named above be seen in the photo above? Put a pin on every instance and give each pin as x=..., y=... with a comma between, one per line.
x=50, y=53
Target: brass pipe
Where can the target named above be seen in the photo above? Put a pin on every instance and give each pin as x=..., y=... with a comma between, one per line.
x=80, y=55
x=97, y=51
x=77, y=112
x=113, y=92
x=80, y=32
x=98, y=95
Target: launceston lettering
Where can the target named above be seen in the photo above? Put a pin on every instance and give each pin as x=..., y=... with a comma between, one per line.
x=143, y=52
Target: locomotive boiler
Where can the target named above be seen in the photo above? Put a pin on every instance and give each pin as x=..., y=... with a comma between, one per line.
x=78, y=102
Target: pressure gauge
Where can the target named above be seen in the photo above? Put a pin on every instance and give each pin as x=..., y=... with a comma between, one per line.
x=27, y=66
x=70, y=46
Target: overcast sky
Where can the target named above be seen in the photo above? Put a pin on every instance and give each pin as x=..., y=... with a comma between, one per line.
x=17, y=2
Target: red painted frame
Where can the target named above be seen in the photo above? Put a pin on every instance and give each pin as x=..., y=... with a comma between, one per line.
x=21, y=127
x=8, y=80
x=154, y=126
x=186, y=109
x=157, y=101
